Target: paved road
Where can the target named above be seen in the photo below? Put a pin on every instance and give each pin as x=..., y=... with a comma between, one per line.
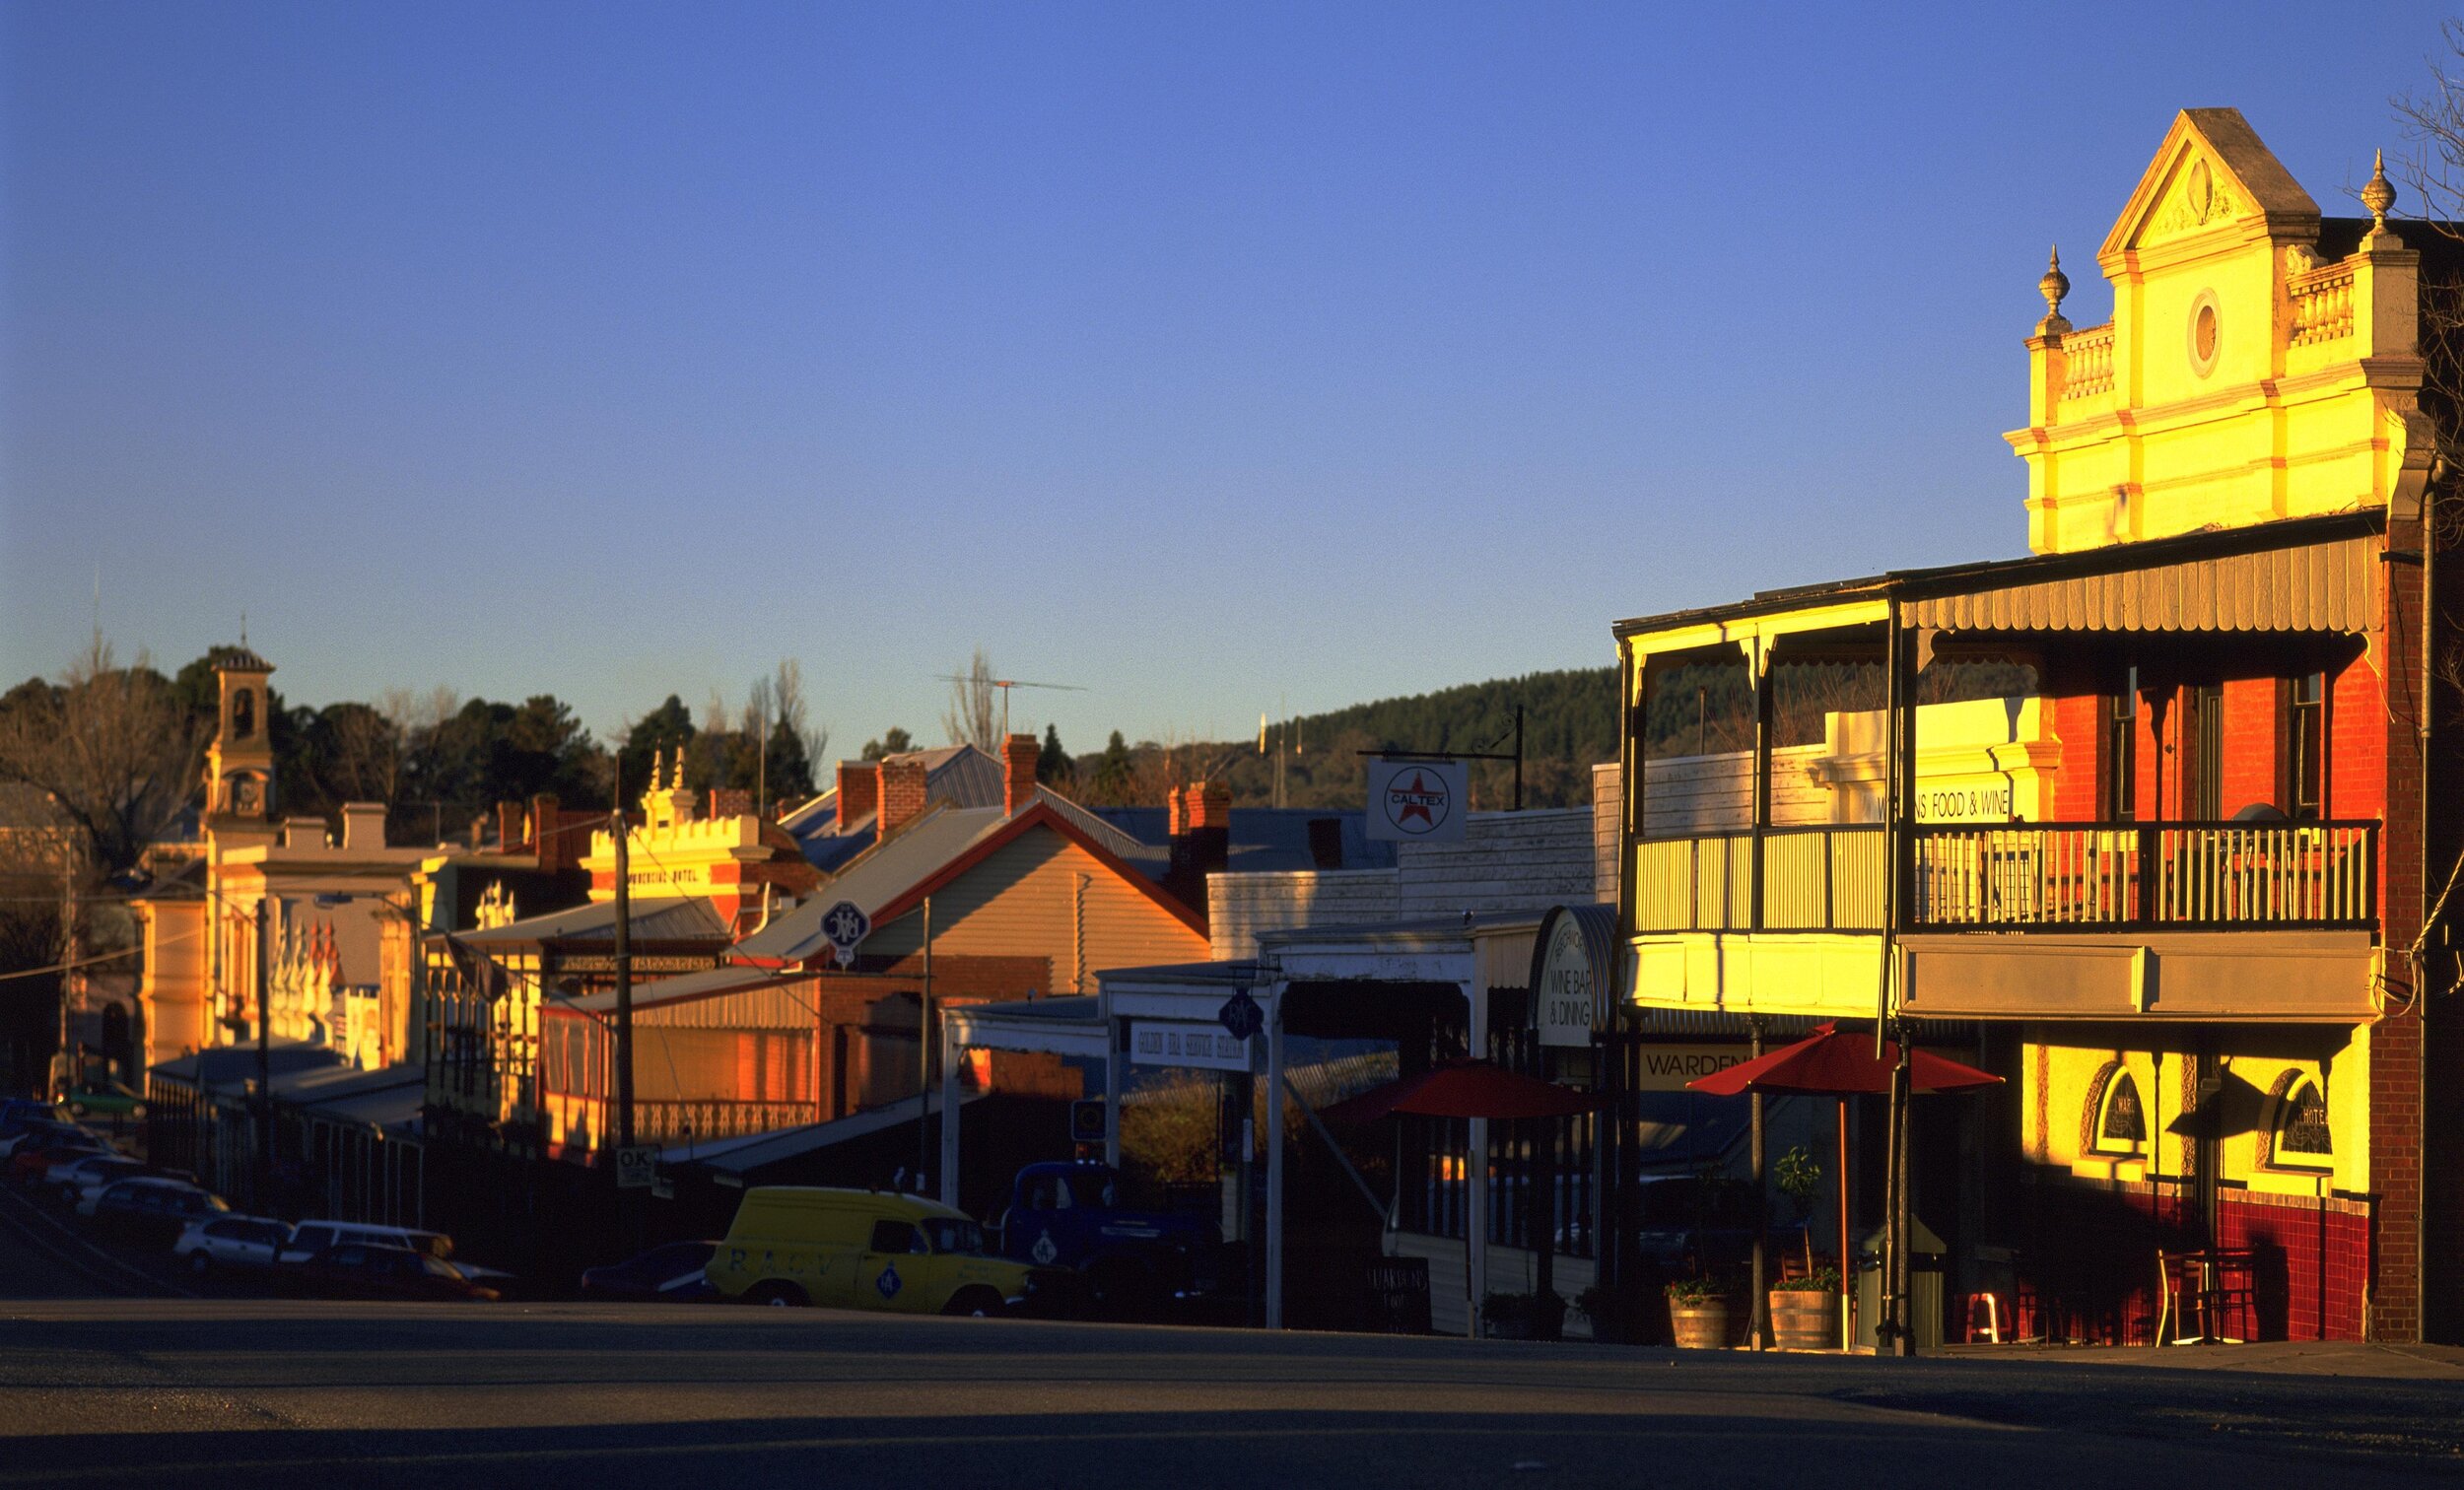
x=272, y=1391
x=105, y=1379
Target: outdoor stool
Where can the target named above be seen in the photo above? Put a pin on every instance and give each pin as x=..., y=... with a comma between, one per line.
x=1991, y=1304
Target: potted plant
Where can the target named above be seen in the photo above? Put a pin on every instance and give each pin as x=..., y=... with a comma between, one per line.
x=1699, y=1314
x=1805, y=1312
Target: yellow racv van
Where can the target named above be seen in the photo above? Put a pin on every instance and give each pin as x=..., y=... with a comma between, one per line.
x=852, y=1248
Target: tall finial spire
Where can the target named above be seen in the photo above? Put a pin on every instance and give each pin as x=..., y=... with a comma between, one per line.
x=2378, y=195
x=2053, y=286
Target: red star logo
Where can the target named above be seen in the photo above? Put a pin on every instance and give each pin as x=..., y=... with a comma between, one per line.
x=1415, y=798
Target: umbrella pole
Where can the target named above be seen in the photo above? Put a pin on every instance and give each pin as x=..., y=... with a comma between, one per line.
x=1847, y=1273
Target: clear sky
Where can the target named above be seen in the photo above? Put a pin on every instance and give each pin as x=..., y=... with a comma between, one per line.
x=1213, y=357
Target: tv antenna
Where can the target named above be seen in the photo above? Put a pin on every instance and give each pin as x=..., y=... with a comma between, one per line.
x=1005, y=685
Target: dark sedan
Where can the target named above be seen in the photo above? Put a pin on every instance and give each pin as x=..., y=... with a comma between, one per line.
x=152, y=1213
x=357, y=1271
x=669, y=1274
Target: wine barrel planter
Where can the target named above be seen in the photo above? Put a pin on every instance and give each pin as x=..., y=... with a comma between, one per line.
x=1805, y=1321
x=1699, y=1326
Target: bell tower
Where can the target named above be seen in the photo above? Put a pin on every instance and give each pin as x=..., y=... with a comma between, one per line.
x=239, y=763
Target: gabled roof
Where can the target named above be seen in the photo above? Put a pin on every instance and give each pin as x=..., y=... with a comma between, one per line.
x=893, y=877
x=1263, y=840
x=2253, y=178
x=667, y=918
x=958, y=776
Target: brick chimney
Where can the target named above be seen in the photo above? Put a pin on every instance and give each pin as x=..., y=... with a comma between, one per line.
x=860, y=790
x=557, y=847
x=730, y=802
x=902, y=792
x=1018, y=753
x=1201, y=817
x=512, y=830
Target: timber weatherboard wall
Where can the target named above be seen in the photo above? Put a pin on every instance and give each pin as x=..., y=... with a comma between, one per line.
x=1019, y=901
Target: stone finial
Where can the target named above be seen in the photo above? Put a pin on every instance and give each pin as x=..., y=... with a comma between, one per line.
x=2378, y=196
x=2053, y=286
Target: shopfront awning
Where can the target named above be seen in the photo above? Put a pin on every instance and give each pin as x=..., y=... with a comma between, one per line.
x=2311, y=587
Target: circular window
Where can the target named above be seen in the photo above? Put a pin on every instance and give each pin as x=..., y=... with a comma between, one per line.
x=2203, y=334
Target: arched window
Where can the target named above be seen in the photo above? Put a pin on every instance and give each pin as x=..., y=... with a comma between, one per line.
x=243, y=714
x=2117, y=1118
x=2298, y=1133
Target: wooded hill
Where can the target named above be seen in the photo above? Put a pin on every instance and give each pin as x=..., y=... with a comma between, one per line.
x=1569, y=725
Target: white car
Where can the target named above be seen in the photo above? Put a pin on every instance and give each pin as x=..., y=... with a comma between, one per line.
x=310, y=1238
x=209, y=1242
x=77, y=1182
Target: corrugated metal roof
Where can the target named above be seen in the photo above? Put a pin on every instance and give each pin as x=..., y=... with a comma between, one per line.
x=2311, y=587
x=667, y=918
x=738, y=1156
x=957, y=776
x=702, y=984
x=1263, y=840
x=877, y=877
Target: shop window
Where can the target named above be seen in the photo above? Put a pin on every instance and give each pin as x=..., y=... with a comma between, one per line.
x=2306, y=747
x=2121, y=751
x=2118, y=1120
x=2299, y=1134
x=2202, y=751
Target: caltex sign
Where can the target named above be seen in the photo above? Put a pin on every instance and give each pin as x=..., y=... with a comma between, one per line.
x=1417, y=801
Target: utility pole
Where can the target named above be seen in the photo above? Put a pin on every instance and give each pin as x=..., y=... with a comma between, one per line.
x=624, y=978
x=924, y=1049
x=265, y=1050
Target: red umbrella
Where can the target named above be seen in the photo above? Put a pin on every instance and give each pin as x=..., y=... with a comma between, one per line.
x=1481, y=1089
x=1829, y=1063
x=1463, y=1088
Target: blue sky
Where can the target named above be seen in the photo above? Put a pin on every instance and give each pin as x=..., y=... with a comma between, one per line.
x=1213, y=357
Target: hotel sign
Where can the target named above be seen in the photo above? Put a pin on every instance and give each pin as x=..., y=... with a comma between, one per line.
x=1187, y=1043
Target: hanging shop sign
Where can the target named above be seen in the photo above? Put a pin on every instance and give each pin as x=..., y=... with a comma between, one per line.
x=1571, y=979
x=1187, y=1043
x=1419, y=801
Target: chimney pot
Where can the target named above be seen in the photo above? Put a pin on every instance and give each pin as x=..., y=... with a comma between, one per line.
x=859, y=791
x=1018, y=755
x=902, y=792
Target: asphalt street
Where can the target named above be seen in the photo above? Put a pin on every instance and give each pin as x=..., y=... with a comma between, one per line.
x=107, y=1380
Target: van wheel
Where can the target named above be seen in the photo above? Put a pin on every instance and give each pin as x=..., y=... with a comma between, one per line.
x=777, y=1296
x=980, y=1303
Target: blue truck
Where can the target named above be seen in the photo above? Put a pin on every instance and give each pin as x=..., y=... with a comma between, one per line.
x=1133, y=1263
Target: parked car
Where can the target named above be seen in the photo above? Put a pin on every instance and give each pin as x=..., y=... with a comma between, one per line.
x=70, y=1181
x=152, y=1213
x=674, y=1273
x=229, y=1242
x=361, y=1270
x=1132, y=1261
x=90, y=1186
x=29, y=1162
x=22, y=1109
x=18, y=1132
x=851, y=1249
x=103, y=1098
x=310, y=1238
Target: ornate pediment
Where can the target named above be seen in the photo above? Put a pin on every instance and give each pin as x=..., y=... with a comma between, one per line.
x=2211, y=169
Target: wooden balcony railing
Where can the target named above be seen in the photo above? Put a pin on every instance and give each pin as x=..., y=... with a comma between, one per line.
x=2190, y=875
x=2017, y=876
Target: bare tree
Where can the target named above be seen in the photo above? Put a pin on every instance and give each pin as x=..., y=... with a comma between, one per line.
x=113, y=748
x=974, y=715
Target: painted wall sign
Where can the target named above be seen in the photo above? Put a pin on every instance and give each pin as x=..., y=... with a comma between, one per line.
x=1971, y=799
x=1668, y=1067
x=1185, y=1043
x=1568, y=983
x=1419, y=801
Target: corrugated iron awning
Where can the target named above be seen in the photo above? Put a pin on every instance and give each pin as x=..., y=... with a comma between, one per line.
x=2312, y=587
